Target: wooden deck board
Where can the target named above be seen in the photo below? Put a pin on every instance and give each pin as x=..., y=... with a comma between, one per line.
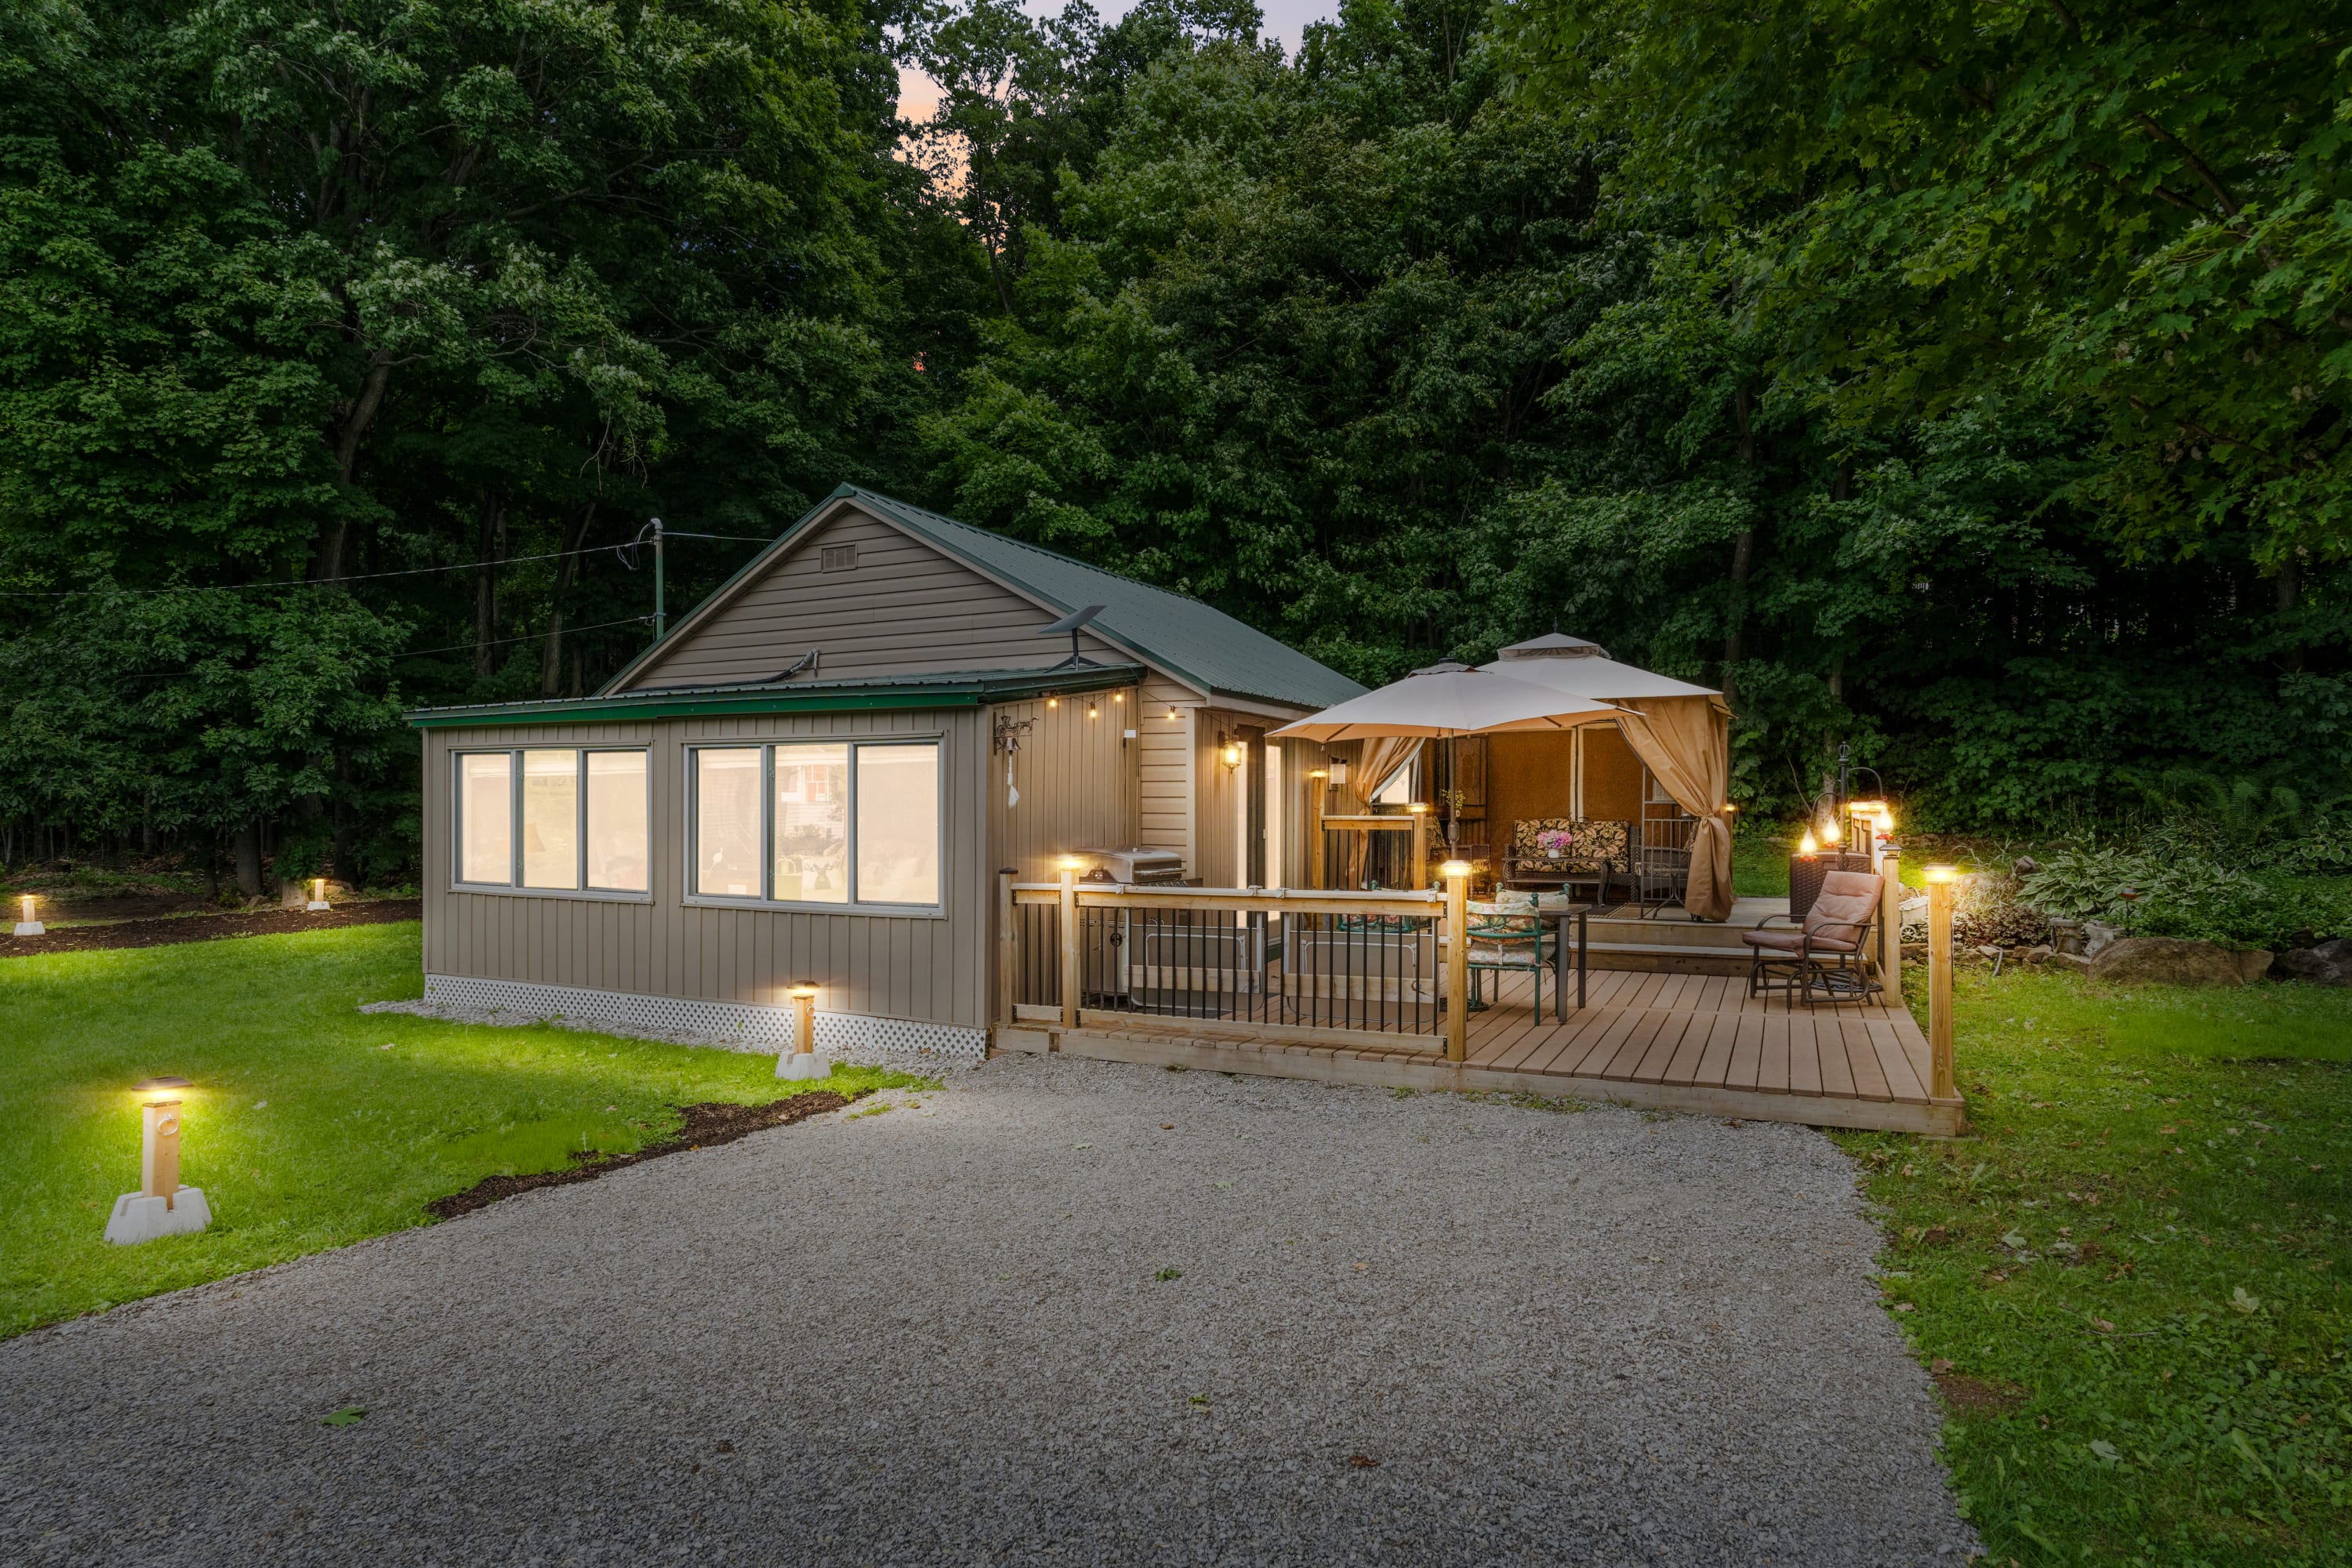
x=1676, y=1041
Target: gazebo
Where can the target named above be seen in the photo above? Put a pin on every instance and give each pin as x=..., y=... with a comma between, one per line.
x=1657, y=759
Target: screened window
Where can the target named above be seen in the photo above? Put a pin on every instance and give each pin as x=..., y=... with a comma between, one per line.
x=553, y=820
x=826, y=822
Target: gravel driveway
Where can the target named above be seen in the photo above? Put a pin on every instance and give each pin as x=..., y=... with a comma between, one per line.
x=1419, y=1329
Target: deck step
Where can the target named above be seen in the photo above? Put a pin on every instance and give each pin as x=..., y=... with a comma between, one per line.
x=1672, y=958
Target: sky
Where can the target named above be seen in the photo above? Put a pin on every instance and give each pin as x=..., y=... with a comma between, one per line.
x=1285, y=19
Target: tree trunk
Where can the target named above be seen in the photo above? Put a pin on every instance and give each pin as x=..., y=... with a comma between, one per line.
x=2289, y=589
x=248, y=860
x=489, y=534
x=1743, y=549
x=551, y=662
x=327, y=558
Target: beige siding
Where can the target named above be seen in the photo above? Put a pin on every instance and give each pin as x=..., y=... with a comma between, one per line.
x=930, y=968
x=903, y=609
x=1077, y=780
x=1165, y=768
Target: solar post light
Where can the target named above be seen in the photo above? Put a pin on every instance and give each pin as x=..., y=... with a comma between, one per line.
x=802, y=1063
x=26, y=924
x=1457, y=958
x=1941, y=883
x=161, y=1206
x=318, y=894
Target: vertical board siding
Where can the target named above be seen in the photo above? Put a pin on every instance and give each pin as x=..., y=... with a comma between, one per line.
x=903, y=609
x=927, y=968
x=1077, y=781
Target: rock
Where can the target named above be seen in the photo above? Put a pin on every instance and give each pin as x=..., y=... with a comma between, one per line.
x=2329, y=963
x=2026, y=866
x=2170, y=960
x=2038, y=955
x=2096, y=936
x=2074, y=961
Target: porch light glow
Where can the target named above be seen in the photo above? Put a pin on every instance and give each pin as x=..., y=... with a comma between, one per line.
x=1455, y=868
x=1119, y=696
x=1318, y=774
x=804, y=992
x=1171, y=715
x=1806, y=846
x=1832, y=832
x=1093, y=711
x=27, y=923
x=1940, y=873
x=1067, y=863
x=161, y=1206
x=1053, y=702
x=1231, y=756
x=1418, y=809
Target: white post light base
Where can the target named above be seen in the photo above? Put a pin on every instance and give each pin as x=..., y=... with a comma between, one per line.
x=315, y=905
x=31, y=928
x=138, y=1218
x=801, y=1066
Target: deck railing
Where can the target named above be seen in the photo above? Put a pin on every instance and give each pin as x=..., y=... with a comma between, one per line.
x=1316, y=966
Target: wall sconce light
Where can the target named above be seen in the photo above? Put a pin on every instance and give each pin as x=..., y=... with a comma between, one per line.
x=800, y=1062
x=1231, y=755
x=318, y=894
x=161, y=1206
x=1339, y=773
x=1171, y=715
x=26, y=924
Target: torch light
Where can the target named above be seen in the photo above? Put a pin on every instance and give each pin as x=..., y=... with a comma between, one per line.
x=161, y=1206
x=26, y=925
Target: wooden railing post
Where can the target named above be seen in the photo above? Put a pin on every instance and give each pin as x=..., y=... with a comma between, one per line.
x=1008, y=945
x=1457, y=960
x=1419, y=844
x=1072, y=977
x=1890, y=926
x=1318, y=780
x=1942, y=1084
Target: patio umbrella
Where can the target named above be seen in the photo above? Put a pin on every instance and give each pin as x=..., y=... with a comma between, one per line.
x=1448, y=699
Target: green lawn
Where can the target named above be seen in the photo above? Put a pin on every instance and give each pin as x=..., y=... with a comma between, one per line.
x=2175, y=1389
x=312, y=1125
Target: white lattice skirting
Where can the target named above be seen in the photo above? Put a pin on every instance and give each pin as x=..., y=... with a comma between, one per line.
x=737, y=1026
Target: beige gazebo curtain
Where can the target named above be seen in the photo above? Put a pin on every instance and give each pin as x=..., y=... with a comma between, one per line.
x=1686, y=742
x=1376, y=759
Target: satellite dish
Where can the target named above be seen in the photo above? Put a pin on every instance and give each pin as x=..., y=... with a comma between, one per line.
x=1070, y=624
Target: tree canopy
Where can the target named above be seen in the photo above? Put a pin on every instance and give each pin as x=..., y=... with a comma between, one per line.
x=1965, y=384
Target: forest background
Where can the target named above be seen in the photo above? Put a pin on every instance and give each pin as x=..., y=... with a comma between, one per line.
x=1966, y=382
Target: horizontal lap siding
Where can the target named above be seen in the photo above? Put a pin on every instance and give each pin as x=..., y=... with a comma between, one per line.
x=924, y=968
x=1165, y=768
x=903, y=609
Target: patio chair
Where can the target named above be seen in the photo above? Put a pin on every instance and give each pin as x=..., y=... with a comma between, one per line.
x=1661, y=876
x=1595, y=854
x=1826, y=958
x=1509, y=935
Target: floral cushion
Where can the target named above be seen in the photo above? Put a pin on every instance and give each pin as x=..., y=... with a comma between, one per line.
x=1591, y=840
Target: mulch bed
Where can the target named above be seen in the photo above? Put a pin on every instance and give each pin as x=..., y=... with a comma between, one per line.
x=209, y=927
x=706, y=1124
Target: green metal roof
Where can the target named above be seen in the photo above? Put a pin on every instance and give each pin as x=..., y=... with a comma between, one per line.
x=1202, y=647
x=961, y=688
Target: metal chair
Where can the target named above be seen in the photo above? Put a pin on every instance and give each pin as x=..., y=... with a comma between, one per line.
x=1509, y=935
x=1661, y=871
x=1826, y=958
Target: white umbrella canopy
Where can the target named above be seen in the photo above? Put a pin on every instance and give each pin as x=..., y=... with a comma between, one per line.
x=1581, y=668
x=1449, y=700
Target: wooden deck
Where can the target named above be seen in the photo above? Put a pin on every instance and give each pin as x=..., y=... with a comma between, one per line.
x=1694, y=1042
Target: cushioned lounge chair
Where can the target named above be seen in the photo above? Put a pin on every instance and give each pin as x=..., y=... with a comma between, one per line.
x=1826, y=957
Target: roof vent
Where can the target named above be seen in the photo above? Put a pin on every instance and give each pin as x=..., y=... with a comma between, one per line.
x=839, y=558
x=1555, y=645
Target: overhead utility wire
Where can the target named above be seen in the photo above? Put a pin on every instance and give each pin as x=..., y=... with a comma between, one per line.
x=526, y=637
x=617, y=550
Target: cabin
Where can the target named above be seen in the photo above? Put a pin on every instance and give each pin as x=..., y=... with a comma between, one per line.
x=818, y=774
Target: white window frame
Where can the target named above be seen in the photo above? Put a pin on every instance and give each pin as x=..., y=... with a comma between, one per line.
x=513, y=887
x=688, y=825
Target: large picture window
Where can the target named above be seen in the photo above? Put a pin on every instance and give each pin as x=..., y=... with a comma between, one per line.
x=549, y=819
x=817, y=822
